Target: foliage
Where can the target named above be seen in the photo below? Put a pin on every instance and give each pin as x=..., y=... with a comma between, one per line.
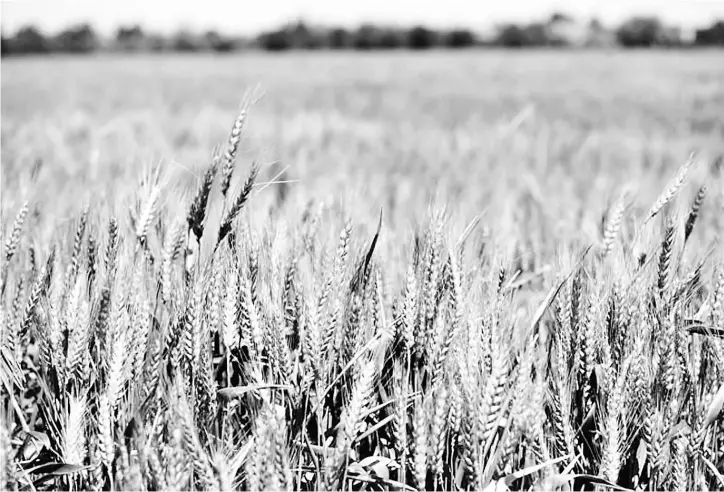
x=77, y=39
x=369, y=37
x=459, y=38
x=711, y=36
x=29, y=40
x=296, y=35
x=635, y=32
x=340, y=38
x=275, y=40
x=4, y=46
x=218, y=42
x=515, y=36
x=420, y=38
x=130, y=38
x=646, y=32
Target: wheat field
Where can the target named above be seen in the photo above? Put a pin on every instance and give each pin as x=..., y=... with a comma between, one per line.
x=445, y=271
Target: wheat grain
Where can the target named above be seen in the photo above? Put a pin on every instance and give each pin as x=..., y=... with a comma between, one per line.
x=694, y=212
x=232, y=147
x=613, y=223
x=74, y=444
x=11, y=243
x=671, y=189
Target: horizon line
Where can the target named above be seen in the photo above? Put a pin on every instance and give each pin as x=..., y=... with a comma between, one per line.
x=183, y=26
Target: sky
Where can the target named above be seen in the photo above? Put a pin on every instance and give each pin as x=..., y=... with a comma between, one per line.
x=252, y=16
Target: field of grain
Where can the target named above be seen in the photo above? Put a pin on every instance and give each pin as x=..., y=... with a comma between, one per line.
x=448, y=271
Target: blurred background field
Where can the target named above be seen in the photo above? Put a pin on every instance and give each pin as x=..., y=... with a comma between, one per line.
x=543, y=141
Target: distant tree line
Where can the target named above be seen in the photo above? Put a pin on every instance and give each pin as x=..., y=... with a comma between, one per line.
x=84, y=39
x=366, y=37
x=555, y=31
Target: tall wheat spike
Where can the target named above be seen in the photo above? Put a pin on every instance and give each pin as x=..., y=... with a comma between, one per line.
x=232, y=147
x=694, y=212
x=613, y=223
x=672, y=188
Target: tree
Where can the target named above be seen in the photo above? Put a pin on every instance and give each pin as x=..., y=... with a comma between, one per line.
x=339, y=38
x=185, y=40
x=511, y=36
x=130, y=38
x=420, y=38
x=713, y=35
x=538, y=34
x=640, y=32
x=219, y=43
x=77, y=39
x=459, y=38
x=514, y=36
x=366, y=37
x=5, y=46
x=560, y=30
x=303, y=36
x=28, y=39
x=390, y=38
x=560, y=17
x=275, y=40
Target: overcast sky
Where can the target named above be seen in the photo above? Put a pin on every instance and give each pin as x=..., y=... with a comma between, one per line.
x=251, y=16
